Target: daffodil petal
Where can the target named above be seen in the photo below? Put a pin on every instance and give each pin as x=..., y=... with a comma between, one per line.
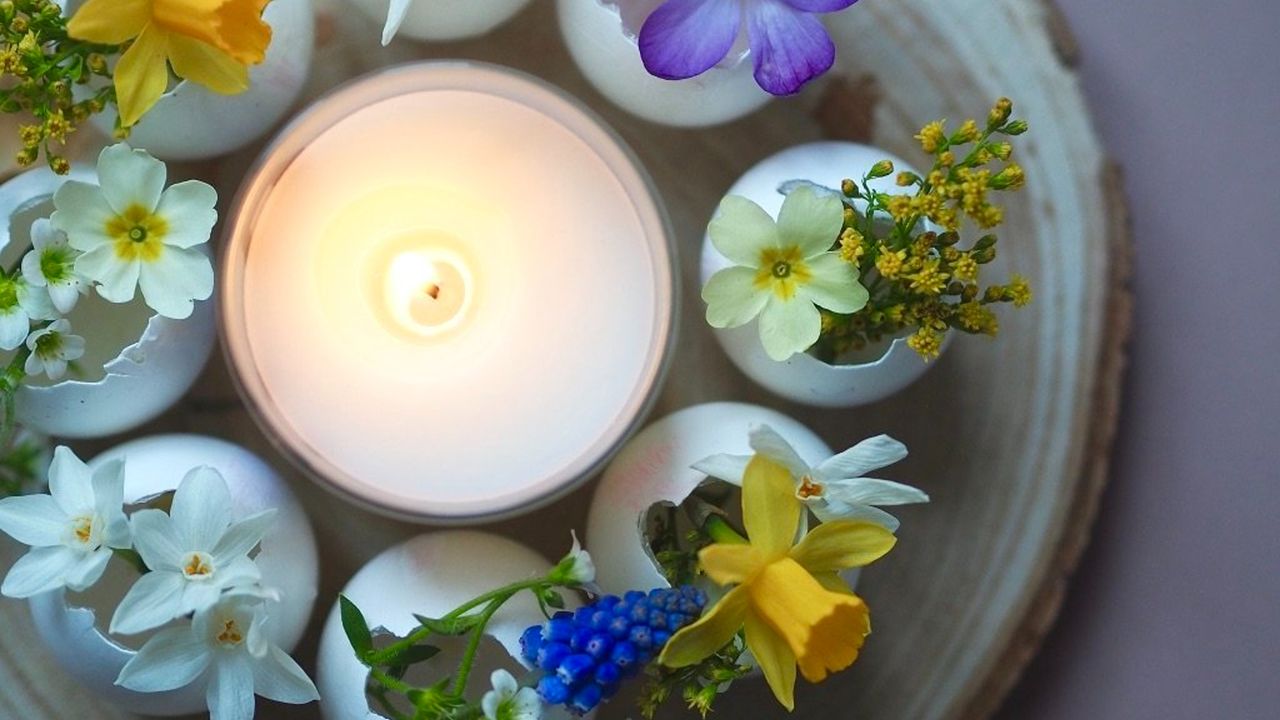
x=34, y=520
x=396, y=13
x=207, y=65
x=833, y=582
x=811, y=220
x=868, y=455
x=712, y=631
x=243, y=536
x=111, y=22
x=726, y=564
x=243, y=33
x=766, y=441
x=278, y=677
x=156, y=540
x=741, y=230
x=154, y=599
x=130, y=177
x=171, y=282
x=201, y=509
x=775, y=659
x=39, y=571
x=841, y=545
x=770, y=510
x=729, y=468
x=142, y=75
x=82, y=212
x=788, y=327
x=732, y=297
x=831, y=510
x=833, y=284
x=172, y=659
x=71, y=482
x=837, y=640
x=873, y=491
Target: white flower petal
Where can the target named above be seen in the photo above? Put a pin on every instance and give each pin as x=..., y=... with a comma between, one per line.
x=31, y=270
x=14, y=328
x=766, y=441
x=526, y=705
x=33, y=366
x=116, y=279
x=189, y=210
x=82, y=213
x=810, y=220
x=396, y=13
x=834, y=284
x=835, y=510
x=35, y=301
x=729, y=468
x=88, y=569
x=278, y=677
x=172, y=659
x=490, y=703
x=34, y=520
x=732, y=297
x=156, y=540
x=238, y=572
x=230, y=692
x=43, y=234
x=871, y=454
x=241, y=537
x=39, y=571
x=71, y=483
x=742, y=229
x=155, y=599
x=130, y=177
x=64, y=295
x=871, y=491
x=201, y=509
x=788, y=327
x=172, y=281
x=198, y=596
x=54, y=367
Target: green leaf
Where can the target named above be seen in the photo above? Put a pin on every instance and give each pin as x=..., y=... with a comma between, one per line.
x=356, y=627
x=452, y=626
x=553, y=599
x=411, y=655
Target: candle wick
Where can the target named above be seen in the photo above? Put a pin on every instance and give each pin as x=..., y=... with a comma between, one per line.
x=432, y=290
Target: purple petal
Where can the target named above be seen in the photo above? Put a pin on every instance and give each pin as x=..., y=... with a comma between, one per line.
x=633, y=13
x=684, y=38
x=790, y=47
x=820, y=6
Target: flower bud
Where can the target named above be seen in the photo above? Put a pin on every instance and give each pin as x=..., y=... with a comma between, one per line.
x=884, y=168
x=1017, y=127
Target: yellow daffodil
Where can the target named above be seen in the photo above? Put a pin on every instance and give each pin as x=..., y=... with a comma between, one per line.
x=211, y=42
x=794, y=607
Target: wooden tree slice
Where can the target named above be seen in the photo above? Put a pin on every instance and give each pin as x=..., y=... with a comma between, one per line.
x=1011, y=437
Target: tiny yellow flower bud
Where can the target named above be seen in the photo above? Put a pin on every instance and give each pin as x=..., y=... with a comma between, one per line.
x=26, y=156
x=1001, y=150
x=884, y=168
x=907, y=179
x=97, y=63
x=1010, y=178
x=31, y=135
x=20, y=25
x=933, y=137
x=967, y=133
x=1000, y=113
x=59, y=165
x=1017, y=127
x=848, y=187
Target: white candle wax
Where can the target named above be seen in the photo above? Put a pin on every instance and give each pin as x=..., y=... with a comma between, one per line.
x=448, y=291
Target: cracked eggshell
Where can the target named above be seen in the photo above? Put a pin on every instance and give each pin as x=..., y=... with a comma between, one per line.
x=655, y=468
x=288, y=560
x=191, y=122
x=803, y=378
x=445, y=19
x=147, y=362
x=430, y=575
x=604, y=47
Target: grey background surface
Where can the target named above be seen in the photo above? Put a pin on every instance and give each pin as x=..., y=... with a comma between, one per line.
x=1175, y=612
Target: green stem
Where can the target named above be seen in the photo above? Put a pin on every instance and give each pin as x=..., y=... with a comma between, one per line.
x=719, y=530
x=473, y=645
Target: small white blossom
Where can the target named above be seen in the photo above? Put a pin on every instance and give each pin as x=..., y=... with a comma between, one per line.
x=52, y=348
x=576, y=568
x=51, y=265
x=194, y=553
x=71, y=530
x=508, y=701
x=835, y=489
x=20, y=304
x=135, y=234
x=225, y=647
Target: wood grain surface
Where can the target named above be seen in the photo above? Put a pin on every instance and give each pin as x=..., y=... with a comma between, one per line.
x=1010, y=437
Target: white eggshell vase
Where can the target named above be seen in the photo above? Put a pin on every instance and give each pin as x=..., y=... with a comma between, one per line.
x=287, y=558
x=191, y=122
x=137, y=363
x=441, y=20
x=605, y=49
x=656, y=467
x=804, y=378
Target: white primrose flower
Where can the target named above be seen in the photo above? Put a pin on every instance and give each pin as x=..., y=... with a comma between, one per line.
x=135, y=234
x=52, y=265
x=71, y=531
x=52, y=348
x=226, y=647
x=576, y=568
x=508, y=701
x=835, y=489
x=20, y=304
x=195, y=554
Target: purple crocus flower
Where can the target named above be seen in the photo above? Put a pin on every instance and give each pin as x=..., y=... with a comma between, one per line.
x=790, y=47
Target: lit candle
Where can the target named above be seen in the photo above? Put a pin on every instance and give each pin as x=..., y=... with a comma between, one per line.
x=448, y=291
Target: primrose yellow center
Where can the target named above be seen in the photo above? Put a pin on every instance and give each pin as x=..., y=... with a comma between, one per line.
x=82, y=529
x=198, y=566
x=138, y=234
x=230, y=636
x=782, y=270
x=809, y=489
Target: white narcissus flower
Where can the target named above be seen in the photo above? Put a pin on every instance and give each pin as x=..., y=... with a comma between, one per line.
x=52, y=265
x=194, y=554
x=835, y=489
x=71, y=531
x=20, y=304
x=396, y=13
x=783, y=272
x=508, y=701
x=225, y=646
x=136, y=234
x=52, y=348
x=576, y=568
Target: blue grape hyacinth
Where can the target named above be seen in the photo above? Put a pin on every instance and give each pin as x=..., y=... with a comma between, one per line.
x=585, y=655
